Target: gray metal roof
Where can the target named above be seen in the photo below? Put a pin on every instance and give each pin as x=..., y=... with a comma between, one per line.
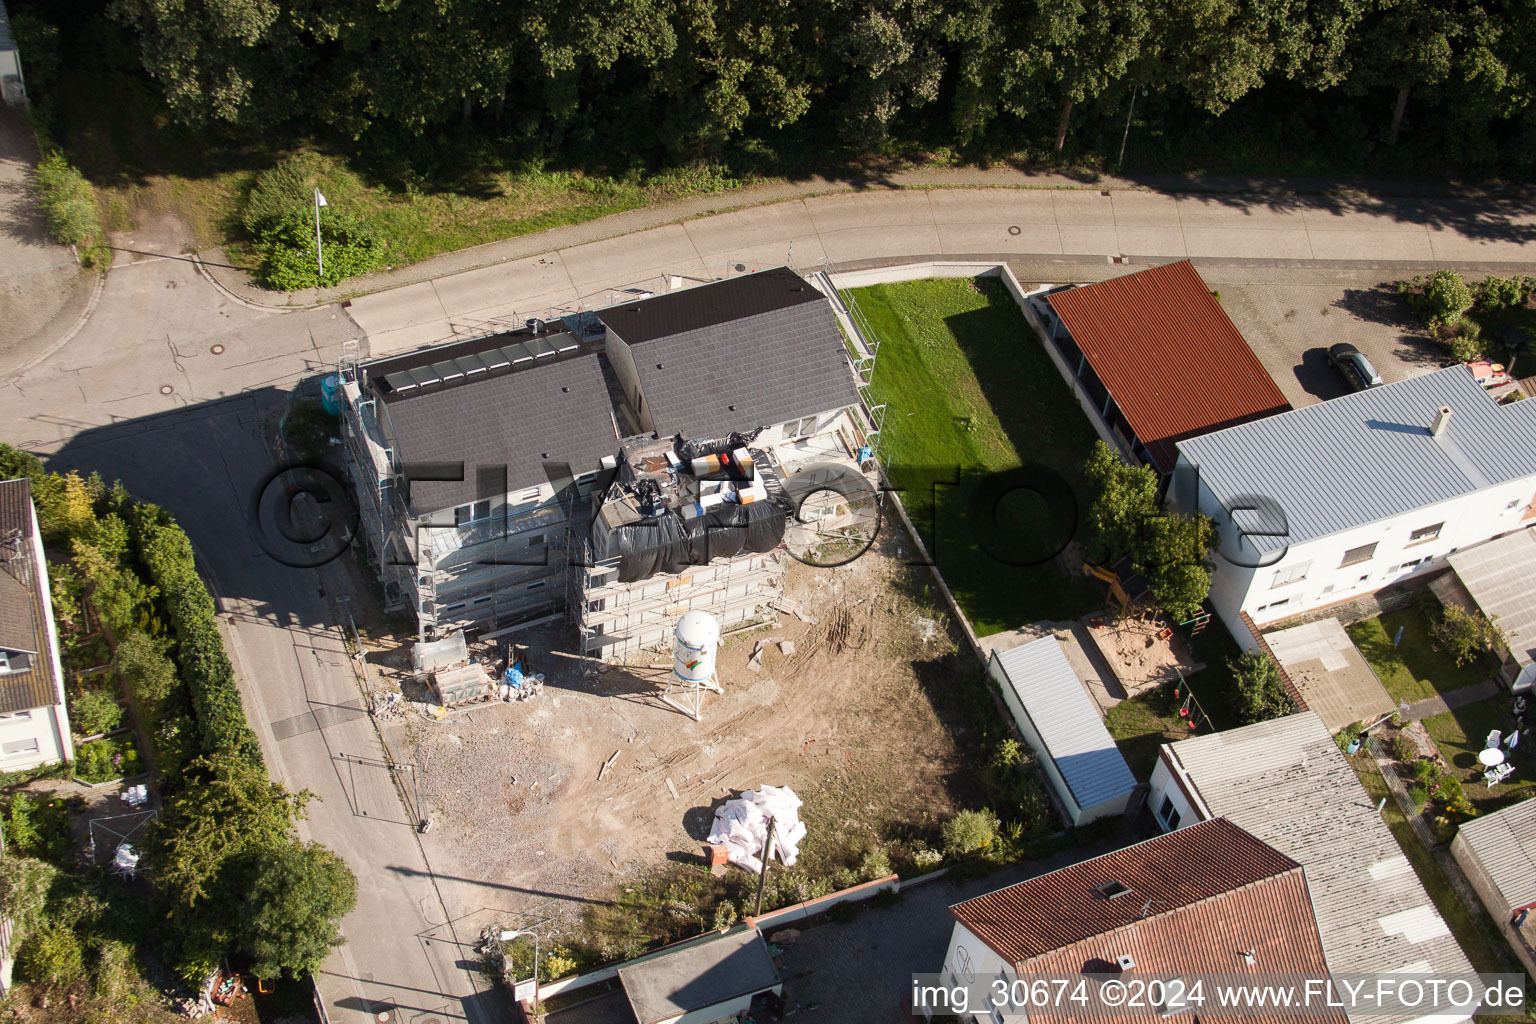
x=697, y=976
x=722, y=357
x=1287, y=782
x=1368, y=456
x=1505, y=845
x=560, y=412
x=1068, y=721
x=1499, y=575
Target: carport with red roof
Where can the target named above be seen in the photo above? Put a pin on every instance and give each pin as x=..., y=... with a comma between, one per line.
x=1159, y=359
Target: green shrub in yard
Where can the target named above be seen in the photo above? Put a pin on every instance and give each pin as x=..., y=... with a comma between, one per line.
x=51, y=957
x=105, y=760
x=1261, y=694
x=1403, y=749
x=37, y=827
x=969, y=832
x=68, y=201
x=1496, y=292
x=95, y=711
x=1446, y=297
x=1465, y=343
x=277, y=192
x=351, y=248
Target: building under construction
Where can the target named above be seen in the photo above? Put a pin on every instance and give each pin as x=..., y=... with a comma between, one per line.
x=617, y=468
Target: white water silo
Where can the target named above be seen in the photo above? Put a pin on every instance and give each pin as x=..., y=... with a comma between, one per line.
x=694, y=643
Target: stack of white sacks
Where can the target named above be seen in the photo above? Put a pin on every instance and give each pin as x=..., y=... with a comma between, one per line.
x=741, y=826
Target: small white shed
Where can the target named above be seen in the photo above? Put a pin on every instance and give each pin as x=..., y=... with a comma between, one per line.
x=1061, y=723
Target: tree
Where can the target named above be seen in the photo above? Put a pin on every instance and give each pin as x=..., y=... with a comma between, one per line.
x=51, y=956
x=1466, y=635
x=297, y=894
x=229, y=809
x=1168, y=549
x=1261, y=693
x=1403, y=44
x=1126, y=497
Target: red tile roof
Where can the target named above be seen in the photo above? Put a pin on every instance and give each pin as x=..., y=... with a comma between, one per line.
x=1199, y=897
x=1169, y=354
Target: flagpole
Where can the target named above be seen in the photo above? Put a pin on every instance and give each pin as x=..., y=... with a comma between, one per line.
x=319, y=256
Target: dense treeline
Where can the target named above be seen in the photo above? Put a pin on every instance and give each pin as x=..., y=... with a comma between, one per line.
x=678, y=80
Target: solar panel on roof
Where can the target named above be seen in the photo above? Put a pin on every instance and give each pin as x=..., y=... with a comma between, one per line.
x=424, y=375
x=563, y=342
x=470, y=364
x=517, y=353
x=399, y=381
x=539, y=347
x=445, y=370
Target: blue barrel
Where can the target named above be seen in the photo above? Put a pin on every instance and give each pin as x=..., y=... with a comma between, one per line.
x=330, y=394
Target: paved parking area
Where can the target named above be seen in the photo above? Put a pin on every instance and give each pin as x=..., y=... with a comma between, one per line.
x=1290, y=326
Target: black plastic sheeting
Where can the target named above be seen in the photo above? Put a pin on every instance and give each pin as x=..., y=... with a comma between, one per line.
x=670, y=543
x=690, y=450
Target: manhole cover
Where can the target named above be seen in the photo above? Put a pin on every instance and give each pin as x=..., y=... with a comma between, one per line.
x=166, y=389
x=217, y=350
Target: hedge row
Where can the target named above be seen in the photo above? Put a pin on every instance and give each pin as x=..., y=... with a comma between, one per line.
x=166, y=554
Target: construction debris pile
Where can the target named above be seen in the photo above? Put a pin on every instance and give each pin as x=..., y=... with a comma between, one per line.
x=741, y=826
x=676, y=504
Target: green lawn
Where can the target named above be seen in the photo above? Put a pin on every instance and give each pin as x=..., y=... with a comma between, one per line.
x=1460, y=734
x=1143, y=724
x=1413, y=670
x=986, y=444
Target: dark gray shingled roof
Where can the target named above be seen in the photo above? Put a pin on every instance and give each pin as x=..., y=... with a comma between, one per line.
x=558, y=412
x=751, y=351
x=23, y=618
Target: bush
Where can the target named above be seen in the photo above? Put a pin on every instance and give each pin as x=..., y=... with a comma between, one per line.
x=105, y=760
x=24, y=885
x=1494, y=292
x=969, y=832
x=1465, y=635
x=1465, y=344
x=351, y=248
x=1261, y=694
x=95, y=711
x=166, y=554
x=68, y=201
x=1403, y=749
x=37, y=827
x=51, y=957
x=1446, y=297
x=277, y=193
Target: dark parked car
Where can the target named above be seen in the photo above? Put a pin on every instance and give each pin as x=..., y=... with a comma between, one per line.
x=1357, y=370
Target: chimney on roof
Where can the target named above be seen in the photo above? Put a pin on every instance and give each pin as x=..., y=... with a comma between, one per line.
x=1442, y=417
x=1125, y=962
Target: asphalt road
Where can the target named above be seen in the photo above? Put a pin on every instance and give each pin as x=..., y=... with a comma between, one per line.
x=173, y=386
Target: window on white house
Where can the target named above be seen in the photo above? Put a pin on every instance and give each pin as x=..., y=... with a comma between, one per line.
x=1363, y=553
x=800, y=428
x=1327, y=590
x=466, y=515
x=537, y=538
x=529, y=494
x=15, y=716
x=1413, y=564
x=1426, y=533
x=1169, y=813
x=11, y=749
x=1291, y=574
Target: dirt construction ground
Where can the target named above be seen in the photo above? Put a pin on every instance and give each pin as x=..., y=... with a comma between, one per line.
x=524, y=815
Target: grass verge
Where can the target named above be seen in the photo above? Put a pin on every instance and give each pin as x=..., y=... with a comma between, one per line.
x=986, y=444
x=1413, y=670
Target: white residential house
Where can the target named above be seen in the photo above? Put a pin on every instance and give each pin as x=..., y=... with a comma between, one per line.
x=1327, y=503
x=1286, y=782
x=34, y=723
